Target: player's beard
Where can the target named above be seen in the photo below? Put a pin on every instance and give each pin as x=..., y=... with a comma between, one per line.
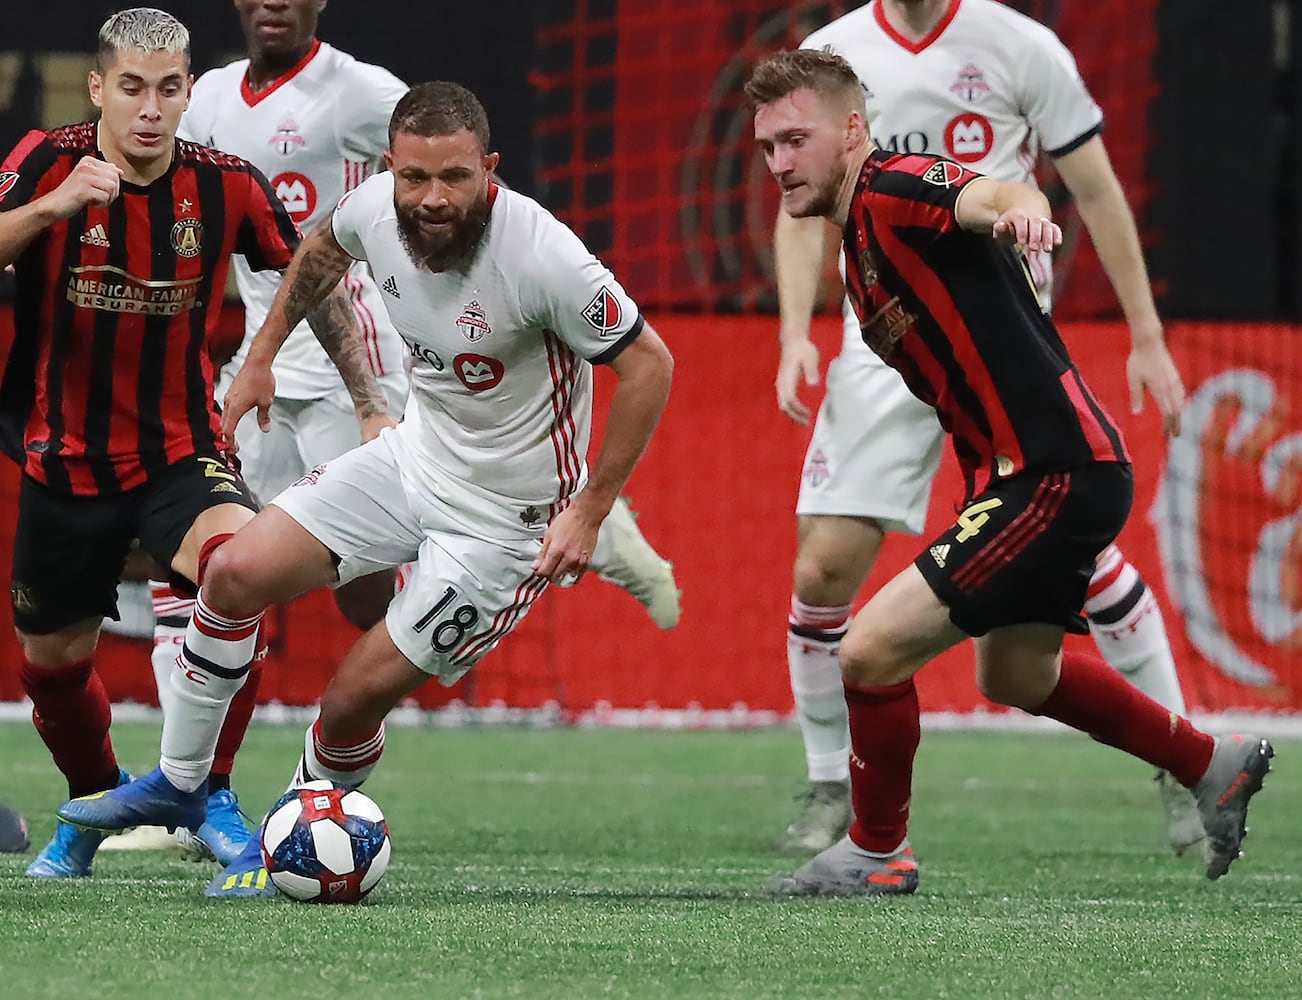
x=440, y=252
x=822, y=200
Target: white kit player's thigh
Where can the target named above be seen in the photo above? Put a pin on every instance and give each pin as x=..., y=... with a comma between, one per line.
x=465, y=595
x=328, y=427
x=357, y=507
x=875, y=447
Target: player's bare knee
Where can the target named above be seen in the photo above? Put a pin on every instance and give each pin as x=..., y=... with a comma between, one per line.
x=818, y=580
x=867, y=659
x=1014, y=688
x=230, y=582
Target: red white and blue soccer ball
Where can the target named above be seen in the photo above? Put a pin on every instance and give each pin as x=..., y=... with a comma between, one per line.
x=322, y=843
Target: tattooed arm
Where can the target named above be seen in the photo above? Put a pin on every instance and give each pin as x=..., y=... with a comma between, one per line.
x=310, y=290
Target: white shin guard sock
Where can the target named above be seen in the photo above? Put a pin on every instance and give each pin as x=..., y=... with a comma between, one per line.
x=212, y=666
x=1127, y=626
x=813, y=644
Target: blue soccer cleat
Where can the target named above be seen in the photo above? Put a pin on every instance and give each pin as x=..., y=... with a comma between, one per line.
x=70, y=853
x=245, y=877
x=150, y=800
x=222, y=836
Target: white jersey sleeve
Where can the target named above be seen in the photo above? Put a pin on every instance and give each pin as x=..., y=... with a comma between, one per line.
x=364, y=121
x=1054, y=98
x=355, y=214
x=574, y=295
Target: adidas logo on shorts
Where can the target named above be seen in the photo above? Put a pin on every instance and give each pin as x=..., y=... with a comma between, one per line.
x=391, y=286
x=95, y=236
x=940, y=553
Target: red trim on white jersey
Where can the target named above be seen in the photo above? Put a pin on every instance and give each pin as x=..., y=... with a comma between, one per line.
x=252, y=97
x=905, y=43
x=564, y=367
x=365, y=321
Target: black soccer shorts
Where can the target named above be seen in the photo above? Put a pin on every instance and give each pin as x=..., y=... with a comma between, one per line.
x=69, y=551
x=1023, y=551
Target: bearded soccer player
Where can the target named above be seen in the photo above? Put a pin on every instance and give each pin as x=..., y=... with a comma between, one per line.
x=484, y=485
x=121, y=238
x=989, y=87
x=942, y=293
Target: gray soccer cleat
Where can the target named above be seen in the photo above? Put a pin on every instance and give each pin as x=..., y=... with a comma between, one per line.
x=824, y=818
x=1239, y=763
x=1184, y=826
x=635, y=566
x=845, y=869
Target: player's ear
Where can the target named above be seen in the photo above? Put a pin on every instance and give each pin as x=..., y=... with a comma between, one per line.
x=490, y=162
x=856, y=129
x=388, y=160
x=95, y=85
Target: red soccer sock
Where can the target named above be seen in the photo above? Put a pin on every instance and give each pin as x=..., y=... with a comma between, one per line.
x=71, y=711
x=1095, y=699
x=884, y=734
x=237, y=720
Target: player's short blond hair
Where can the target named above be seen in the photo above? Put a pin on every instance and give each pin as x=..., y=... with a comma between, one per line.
x=824, y=72
x=143, y=29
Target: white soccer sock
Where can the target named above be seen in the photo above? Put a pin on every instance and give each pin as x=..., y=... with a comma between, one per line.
x=172, y=612
x=813, y=642
x=1127, y=626
x=212, y=667
x=347, y=764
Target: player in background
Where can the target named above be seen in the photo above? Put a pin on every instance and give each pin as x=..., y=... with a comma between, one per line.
x=484, y=484
x=989, y=88
x=944, y=296
x=121, y=237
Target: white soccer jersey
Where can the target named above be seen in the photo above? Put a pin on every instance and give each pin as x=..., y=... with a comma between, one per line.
x=501, y=384
x=317, y=132
x=989, y=87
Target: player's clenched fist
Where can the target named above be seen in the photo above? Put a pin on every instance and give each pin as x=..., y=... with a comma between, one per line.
x=92, y=183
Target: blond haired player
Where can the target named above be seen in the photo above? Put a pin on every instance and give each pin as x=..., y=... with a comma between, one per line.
x=983, y=85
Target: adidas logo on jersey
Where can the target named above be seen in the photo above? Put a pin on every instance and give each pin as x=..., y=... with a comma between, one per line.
x=940, y=553
x=95, y=236
x=391, y=286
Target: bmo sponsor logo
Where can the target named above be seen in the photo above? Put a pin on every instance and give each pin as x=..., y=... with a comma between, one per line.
x=477, y=372
x=297, y=193
x=969, y=138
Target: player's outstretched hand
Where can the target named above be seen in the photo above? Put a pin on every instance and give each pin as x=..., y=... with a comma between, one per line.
x=567, y=546
x=799, y=363
x=92, y=183
x=1150, y=367
x=1034, y=232
x=254, y=386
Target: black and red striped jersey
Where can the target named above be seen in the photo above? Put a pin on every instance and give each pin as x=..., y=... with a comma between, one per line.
x=956, y=314
x=109, y=380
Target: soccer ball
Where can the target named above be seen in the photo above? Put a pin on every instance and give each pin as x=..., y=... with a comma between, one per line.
x=322, y=843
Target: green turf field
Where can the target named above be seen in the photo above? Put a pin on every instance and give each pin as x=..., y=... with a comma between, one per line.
x=568, y=863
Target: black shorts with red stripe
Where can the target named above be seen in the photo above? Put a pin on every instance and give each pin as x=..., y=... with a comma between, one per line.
x=1023, y=551
x=70, y=550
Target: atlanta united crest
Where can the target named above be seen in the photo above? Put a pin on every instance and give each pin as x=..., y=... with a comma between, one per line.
x=187, y=237
x=472, y=322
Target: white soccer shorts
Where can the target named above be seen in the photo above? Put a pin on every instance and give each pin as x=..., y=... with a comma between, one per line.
x=875, y=448
x=467, y=591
